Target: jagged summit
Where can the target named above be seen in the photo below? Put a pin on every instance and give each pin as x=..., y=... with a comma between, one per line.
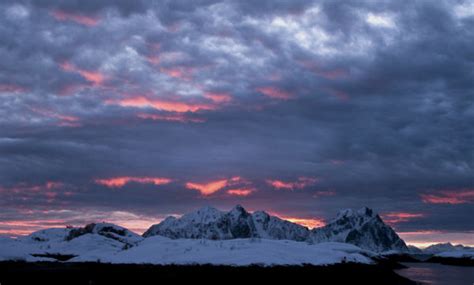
x=210, y=223
x=362, y=227
x=443, y=247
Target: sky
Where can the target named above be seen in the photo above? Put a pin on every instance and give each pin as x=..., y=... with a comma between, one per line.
x=130, y=111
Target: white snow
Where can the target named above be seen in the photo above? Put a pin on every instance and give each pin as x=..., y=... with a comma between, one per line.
x=161, y=250
x=240, y=252
x=467, y=253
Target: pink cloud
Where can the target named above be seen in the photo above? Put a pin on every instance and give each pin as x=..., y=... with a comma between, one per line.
x=118, y=182
x=394, y=218
x=78, y=18
x=218, y=97
x=462, y=196
x=170, y=117
x=154, y=59
x=240, y=192
x=208, y=188
x=161, y=104
x=11, y=88
x=275, y=93
x=49, y=190
x=63, y=120
x=93, y=77
x=301, y=183
x=183, y=73
x=214, y=186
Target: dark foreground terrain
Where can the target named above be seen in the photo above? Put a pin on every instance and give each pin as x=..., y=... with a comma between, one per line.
x=96, y=273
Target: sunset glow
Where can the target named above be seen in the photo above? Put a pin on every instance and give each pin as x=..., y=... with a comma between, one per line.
x=117, y=182
x=164, y=105
x=453, y=197
x=301, y=183
x=207, y=188
x=75, y=17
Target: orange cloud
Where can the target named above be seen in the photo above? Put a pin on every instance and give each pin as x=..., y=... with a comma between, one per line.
x=94, y=77
x=117, y=182
x=301, y=183
x=218, y=97
x=275, y=93
x=240, y=192
x=310, y=223
x=400, y=217
x=208, y=188
x=163, y=105
x=453, y=197
x=61, y=15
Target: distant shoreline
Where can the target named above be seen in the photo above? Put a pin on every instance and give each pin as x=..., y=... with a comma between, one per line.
x=12, y=272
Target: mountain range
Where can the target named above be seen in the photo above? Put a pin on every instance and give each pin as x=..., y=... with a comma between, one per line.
x=235, y=237
x=362, y=227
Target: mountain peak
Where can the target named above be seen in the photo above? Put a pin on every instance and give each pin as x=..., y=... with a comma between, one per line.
x=362, y=212
x=366, y=211
x=362, y=227
x=238, y=210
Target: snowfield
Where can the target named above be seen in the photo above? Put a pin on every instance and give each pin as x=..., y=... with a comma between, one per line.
x=468, y=253
x=240, y=252
x=161, y=250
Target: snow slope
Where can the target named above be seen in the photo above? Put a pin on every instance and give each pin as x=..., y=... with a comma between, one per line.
x=240, y=252
x=93, y=241
x=91, y=247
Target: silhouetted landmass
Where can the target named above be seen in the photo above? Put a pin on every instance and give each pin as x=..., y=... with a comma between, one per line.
x=100, y=273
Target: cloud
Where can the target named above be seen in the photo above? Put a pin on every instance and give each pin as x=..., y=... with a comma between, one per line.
x=310, y=223
x=375, y=100
x=94, y=77
x=117, y=182
x=275, y=93
x=395, y=218
x=75, y=17
x=453, y=197
x=301, y=183
x=163, y=105
x=209, y=187
x=240, y=191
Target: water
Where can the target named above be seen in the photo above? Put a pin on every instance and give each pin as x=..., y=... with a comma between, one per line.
x=438, y=274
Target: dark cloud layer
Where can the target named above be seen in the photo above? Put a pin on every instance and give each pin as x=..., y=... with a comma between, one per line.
x=374, y=100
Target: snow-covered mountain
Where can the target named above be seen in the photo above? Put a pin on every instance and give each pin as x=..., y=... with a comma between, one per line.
x=92, y=242
x=445, y=247
x=363, y=228
x=210, y=223
x=108, y=230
